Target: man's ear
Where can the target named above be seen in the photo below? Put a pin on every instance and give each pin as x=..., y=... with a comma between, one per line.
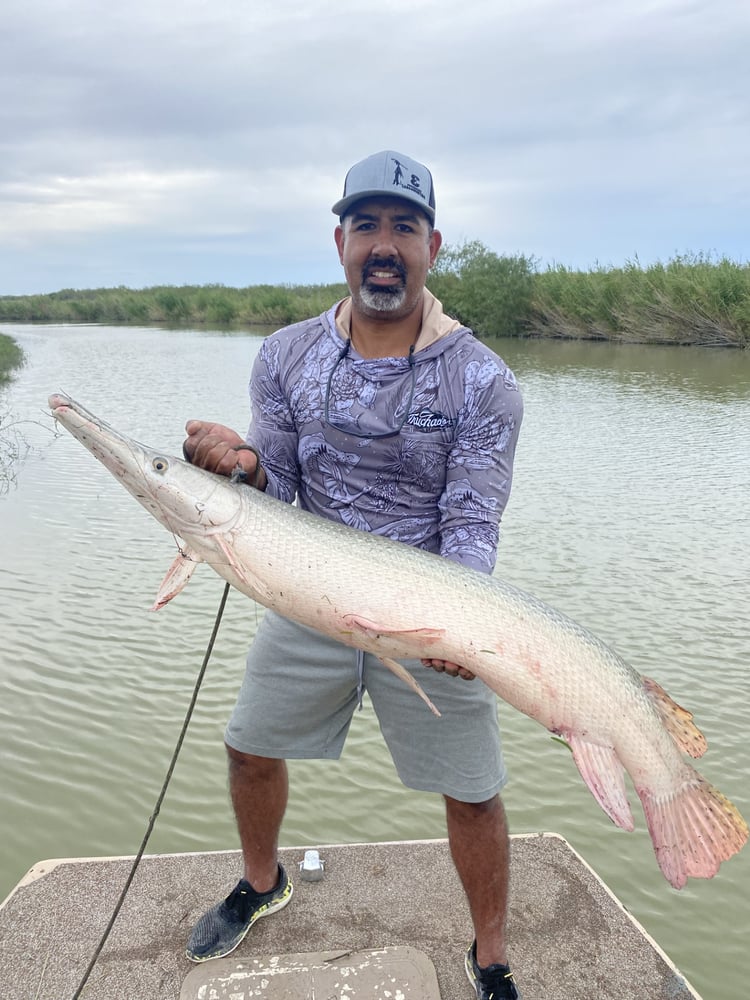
x=436, y=241
x=338, y=235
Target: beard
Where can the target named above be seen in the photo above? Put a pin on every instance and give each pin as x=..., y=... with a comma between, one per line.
x=378, y=299
x=382, y=300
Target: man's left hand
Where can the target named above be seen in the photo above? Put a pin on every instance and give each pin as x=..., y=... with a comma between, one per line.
x=452, y=669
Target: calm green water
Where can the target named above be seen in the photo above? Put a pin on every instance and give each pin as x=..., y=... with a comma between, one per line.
x=629, y=512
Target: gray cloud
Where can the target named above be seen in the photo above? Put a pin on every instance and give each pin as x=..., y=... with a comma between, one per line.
x=192, y=142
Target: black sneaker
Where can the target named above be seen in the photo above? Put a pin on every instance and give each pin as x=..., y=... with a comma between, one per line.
x=224, y=927
x=495, y=982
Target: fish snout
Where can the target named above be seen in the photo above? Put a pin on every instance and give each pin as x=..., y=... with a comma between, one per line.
x=57, y=401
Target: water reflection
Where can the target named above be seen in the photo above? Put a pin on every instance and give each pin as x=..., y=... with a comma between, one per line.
x=717, y=374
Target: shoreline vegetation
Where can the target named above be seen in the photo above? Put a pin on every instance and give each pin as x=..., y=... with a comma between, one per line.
x=13, y=447
x=695, y=299
x=11, y=357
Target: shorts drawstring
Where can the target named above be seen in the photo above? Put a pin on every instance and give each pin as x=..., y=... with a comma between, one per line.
x=360, y=678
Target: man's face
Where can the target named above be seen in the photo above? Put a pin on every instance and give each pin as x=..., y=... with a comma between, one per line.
x=386, y=247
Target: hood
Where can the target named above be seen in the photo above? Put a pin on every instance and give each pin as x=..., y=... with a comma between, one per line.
x=438, y=332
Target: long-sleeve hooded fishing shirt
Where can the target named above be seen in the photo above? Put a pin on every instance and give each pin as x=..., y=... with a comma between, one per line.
x=419, y=449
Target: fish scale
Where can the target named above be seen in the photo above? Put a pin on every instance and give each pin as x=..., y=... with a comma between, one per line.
x=397, y=602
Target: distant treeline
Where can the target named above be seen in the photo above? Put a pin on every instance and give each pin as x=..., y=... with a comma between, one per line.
x=178, y=305
x=693, y=299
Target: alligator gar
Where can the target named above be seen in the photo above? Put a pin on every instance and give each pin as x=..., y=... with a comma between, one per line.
x=397, y=601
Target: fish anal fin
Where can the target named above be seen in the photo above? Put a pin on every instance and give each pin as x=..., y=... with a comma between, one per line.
x=676, y=720
x=176, y=578
x=373, y=629
x=604, y=775
x=401, y=672
x=693, y=828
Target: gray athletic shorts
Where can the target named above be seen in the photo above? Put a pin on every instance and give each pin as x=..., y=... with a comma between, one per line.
x=301, y=689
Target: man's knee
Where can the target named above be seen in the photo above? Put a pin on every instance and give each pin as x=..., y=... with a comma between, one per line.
x=252, y=767
x=469, y=811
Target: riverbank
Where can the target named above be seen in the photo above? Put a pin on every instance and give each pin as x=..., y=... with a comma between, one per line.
x=695, y=300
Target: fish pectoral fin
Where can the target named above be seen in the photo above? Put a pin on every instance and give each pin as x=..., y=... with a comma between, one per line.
x=676, y=720
x=401, y=672
x=226, y=548
x=604, y=775
x=375, y=629
x=176, y=577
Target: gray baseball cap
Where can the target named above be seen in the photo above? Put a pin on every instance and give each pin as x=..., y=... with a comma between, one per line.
x=388, y=173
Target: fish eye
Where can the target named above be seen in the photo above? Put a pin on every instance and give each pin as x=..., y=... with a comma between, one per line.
x=160, y=465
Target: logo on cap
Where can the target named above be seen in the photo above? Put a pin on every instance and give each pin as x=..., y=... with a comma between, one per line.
x=414, y=180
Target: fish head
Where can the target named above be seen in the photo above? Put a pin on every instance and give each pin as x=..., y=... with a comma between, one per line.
x=188, y=501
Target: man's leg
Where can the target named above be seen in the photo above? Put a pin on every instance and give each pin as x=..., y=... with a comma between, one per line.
x=478, y=837
x=259, y=788
x=259, y=792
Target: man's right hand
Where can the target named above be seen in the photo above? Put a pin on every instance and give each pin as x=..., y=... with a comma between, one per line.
x=219, y=449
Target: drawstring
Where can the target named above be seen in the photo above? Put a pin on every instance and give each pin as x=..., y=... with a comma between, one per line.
x=360, y=678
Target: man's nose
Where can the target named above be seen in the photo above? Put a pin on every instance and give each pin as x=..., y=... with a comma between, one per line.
x=384, y=244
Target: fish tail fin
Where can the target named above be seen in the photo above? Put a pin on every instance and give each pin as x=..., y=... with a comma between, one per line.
x=693, y=828
x=604, y=775
x=676, y=720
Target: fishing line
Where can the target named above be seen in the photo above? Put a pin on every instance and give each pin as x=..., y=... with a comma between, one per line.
x=157, y=807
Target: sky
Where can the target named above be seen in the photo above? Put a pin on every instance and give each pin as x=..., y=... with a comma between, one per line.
x=163, y=142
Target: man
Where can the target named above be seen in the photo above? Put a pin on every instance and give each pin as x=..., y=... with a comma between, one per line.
x=388, y=416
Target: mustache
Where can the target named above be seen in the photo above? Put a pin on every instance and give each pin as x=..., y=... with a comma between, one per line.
x=384, y=264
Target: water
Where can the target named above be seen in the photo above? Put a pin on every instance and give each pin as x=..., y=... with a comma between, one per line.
x=629, y=513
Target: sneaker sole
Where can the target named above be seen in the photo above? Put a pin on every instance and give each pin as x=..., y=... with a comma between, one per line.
x=265, y=911
x=470, y=974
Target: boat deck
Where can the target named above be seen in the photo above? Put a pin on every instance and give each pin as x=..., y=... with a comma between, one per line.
x=387, y=920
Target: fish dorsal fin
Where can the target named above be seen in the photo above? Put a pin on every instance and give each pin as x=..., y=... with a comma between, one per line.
x=677, y=720
x=604, y=775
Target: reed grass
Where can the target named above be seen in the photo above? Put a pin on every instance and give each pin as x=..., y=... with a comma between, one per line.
x=11, y=357
x=212, y=305
x=693, y=299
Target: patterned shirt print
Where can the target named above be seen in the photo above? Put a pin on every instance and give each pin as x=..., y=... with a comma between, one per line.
x=420, y=451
